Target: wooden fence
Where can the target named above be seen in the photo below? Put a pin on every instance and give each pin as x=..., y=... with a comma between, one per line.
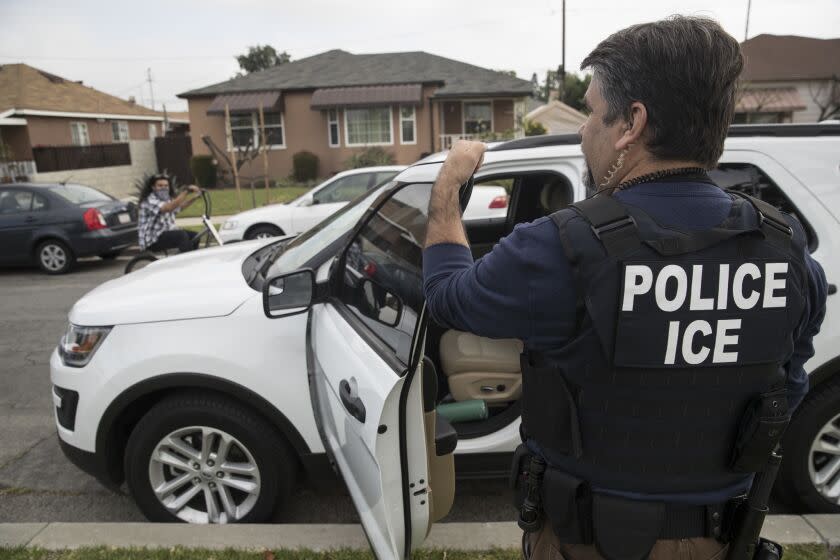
x=61, y=158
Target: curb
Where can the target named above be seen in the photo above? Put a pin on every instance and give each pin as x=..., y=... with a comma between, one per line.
x=786, y=529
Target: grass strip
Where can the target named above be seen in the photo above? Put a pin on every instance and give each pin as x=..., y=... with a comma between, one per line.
x=792, y=552
x=225, y=202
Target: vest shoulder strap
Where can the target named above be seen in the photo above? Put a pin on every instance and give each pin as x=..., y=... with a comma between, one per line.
x=610, y=222
x=771, y=221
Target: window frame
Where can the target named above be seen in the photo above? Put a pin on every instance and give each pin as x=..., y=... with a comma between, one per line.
x=330, y=123
x=75, y=137
x=117, y=129
x=255, y=131
x=464, y=115
x=412, y=120
x=353, y=319
x=390, y=142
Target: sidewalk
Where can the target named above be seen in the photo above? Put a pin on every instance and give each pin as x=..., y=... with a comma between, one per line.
x=786, y=529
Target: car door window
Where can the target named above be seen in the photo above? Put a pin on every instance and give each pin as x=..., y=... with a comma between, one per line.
x=383, y=276
x=39, y=203
x=382, y=177
x=752, y=180
x=344, y=189
x=15, y=202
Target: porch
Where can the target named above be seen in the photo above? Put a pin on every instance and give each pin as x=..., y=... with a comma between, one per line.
x=479, y=119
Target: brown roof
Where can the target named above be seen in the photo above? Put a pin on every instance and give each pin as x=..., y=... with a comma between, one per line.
x=788, y=57
x=367, y=95
x=25, y=87
x=244, y=102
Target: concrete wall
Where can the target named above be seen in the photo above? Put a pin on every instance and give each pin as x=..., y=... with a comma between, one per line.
x=306, y=129
x=117, y=181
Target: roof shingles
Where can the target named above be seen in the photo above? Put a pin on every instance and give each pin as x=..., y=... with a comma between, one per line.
x=788, y=57
x=337, y=68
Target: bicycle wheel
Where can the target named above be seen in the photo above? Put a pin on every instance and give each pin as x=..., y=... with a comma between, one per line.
x=140, y=261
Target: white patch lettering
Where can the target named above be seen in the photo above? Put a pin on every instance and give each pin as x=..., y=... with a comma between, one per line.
x=668, y=272
x=741, y=300
x=722, y=339
x=691, y=331
x=632, y=288
x=673, y=337
x=698, y=303
x=723, y=286
x=771, y=284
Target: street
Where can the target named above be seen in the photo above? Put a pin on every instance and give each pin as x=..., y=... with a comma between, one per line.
x=37, y=484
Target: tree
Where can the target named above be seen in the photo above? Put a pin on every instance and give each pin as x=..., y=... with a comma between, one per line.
x=511, y=73
x=827, y=97
x=261, y=57
x=574, y=90
x=535, y=86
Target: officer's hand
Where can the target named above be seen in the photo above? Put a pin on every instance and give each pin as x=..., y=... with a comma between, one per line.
x=463, y=160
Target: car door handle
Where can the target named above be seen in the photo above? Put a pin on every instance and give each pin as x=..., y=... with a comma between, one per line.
x=353, y=404
x=832, y=289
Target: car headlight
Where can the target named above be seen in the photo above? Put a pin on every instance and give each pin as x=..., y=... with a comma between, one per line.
x=230, y=224
x=79, y=344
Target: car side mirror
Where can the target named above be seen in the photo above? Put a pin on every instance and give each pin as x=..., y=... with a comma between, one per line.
x=309, y=201
x=380, y=304
x=289, y=294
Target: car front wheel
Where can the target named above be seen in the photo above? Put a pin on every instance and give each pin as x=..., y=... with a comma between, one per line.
x=809, y=478
x=263, y=231
x=207, y=459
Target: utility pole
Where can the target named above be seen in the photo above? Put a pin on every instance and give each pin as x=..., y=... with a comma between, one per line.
x=561, y=71
x=747, y=29
x=151, y=91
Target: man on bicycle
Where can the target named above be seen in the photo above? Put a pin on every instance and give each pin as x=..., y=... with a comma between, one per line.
x=156, y=226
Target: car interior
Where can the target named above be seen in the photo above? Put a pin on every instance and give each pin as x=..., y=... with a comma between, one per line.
x=479, y=380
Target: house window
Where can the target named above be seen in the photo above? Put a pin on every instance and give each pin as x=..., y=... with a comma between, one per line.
x=408, y=123
x=245, y=130
x=478, y=117
x=153, y=131
x=119, y=131
x=332, y=127
x=370, y=126
x=79, y=133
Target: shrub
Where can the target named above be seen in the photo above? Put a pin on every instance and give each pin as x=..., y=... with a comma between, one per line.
x=203, y=168
x=305, y=166
x=370, y=157
x=533, y=128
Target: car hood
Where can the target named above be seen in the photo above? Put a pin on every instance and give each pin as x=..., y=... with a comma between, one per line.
x=204, y=283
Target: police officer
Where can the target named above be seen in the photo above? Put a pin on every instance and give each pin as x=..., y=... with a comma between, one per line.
x=666, y=322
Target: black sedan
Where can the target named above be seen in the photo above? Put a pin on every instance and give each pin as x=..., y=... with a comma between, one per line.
x=54, y=224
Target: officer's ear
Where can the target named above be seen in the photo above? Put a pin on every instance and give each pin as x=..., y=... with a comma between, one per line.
x=634, y=127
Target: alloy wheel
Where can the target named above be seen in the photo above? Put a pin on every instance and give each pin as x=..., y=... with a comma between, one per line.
x=53, y=257
x=204, y=475
x=824, y=461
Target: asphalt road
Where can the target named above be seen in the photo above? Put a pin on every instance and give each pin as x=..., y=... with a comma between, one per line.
x=37, y=484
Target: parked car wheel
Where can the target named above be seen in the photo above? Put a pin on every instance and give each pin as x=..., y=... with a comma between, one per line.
x=203, y=458
x=810, y=473
x=263, y=231
x=54, y=256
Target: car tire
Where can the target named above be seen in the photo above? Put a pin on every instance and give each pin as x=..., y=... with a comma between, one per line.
x=189, y=420
x=818, y=413
x=109, y=256
x=262, y=231
x=54, y=257
x=140, y=261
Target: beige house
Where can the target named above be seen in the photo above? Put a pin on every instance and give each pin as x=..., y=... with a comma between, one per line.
x=789, y=79
x=557, y=117
x=337, y=103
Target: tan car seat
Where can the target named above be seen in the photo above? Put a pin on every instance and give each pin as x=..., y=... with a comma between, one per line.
x=481, y=368
x=441, y=462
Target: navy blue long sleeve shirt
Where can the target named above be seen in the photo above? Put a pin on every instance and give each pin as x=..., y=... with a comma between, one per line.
x=524, y=288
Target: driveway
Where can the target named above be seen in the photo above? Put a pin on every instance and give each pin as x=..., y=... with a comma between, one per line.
x=37, y=484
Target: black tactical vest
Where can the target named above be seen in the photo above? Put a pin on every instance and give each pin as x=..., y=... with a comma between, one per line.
x=678, y=334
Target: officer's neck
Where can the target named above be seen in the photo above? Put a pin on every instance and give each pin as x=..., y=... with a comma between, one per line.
x=645, y=165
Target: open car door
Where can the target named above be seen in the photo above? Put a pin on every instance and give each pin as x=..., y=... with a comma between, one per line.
x=366, y=374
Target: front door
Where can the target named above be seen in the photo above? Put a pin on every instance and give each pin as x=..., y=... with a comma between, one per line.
x=365, y=365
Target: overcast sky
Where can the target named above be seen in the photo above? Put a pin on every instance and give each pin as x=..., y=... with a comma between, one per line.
x=191, y=43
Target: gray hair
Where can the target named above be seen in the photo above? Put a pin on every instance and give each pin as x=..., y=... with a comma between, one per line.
x=684, y=70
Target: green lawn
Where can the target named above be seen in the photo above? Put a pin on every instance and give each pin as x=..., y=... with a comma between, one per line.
x=225, y=201
x=798, y=552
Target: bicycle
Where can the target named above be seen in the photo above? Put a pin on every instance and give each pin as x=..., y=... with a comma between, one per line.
x=205, y=236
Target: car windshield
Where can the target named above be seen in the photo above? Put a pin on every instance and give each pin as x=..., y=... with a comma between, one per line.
x=306, y=246
x=80, y=194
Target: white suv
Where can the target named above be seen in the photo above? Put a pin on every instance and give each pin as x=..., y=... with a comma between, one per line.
x=174, y=379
